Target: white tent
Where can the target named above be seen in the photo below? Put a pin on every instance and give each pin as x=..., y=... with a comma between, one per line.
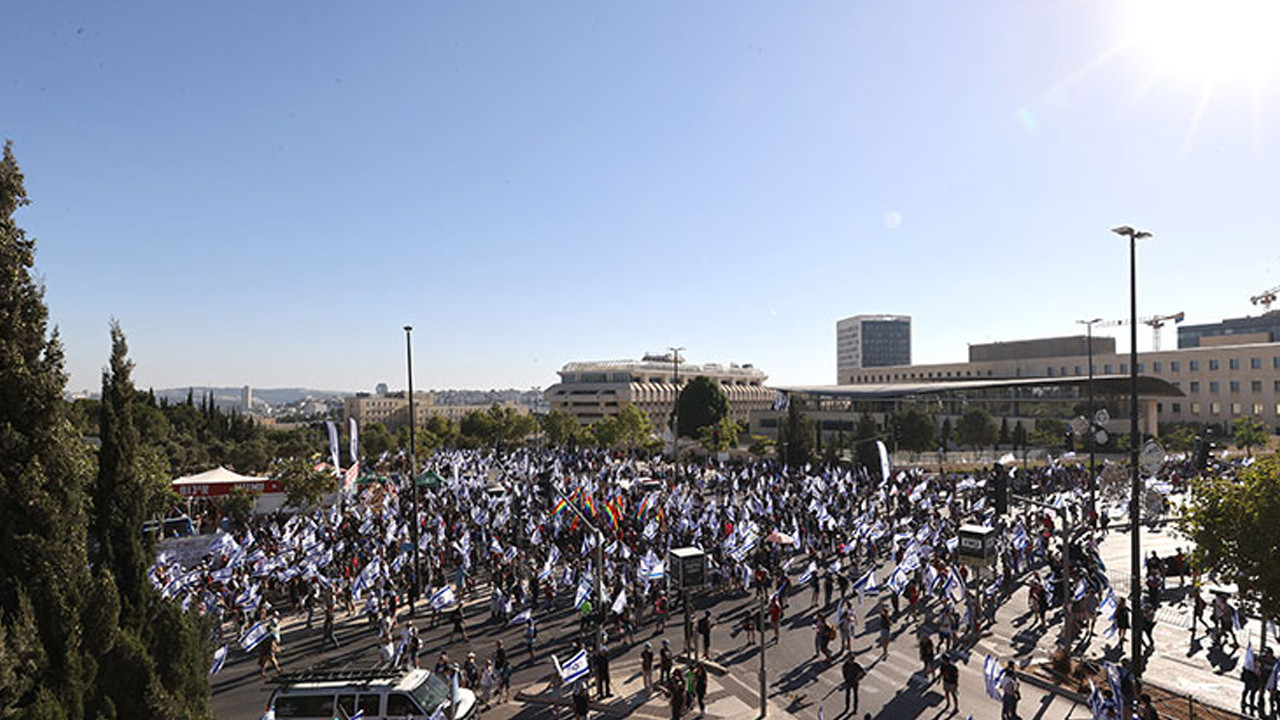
x=221, y=481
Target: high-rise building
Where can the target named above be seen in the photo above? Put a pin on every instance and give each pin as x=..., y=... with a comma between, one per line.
x=246, y=398
x=864, y=341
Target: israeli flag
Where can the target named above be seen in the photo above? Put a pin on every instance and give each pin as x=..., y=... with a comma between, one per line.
x=650, y=530
x=583, y=592
x=992, y=674
x=1274, y=678
x=781, y=402
x=1081, y=589
x=219, y=659
x=254, y=636
x=443, y=598
x=867, y=584
x=898, y=581
x=524, y=617
x=808, y=573
x=620, y=603
x=577, y=667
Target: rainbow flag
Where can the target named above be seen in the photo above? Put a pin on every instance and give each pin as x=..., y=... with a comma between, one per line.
x=591, y=506
x=613, y=515
x=644, y=505
x=560, y=506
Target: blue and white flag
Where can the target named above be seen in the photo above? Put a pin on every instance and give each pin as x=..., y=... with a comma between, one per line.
x=1081, y=589
x=254, y=636
x=333, y=445
x=354, y=447
x=781, y=402
x=992, y=674
x=885, y=467
x=577, y=667
x=898, y=581
x=359, y=715
x=1250, y=660
x=583, y=592
x=524, y=617
x=867, y=584
x=808, y=573
x=619, y=603
x=219, y=659
x=1274, y=679
x=443, y=598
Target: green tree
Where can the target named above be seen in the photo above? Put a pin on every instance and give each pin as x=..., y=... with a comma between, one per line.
x=1020, y=435
x=303, y=485
x=1178, y=438
x=1048, y=432
x=702, y=402
x=1231, y=522
x=796, y=438
x=1005, y=437
x=916, y=430
x=720, y=437
x=152, y=656
x=1251, y=433
x=237, y=506
x=45, y=585
x=977, y=429
x=634, y=428
x=560, y=427
x=944, y=433
x=375, y=440
x=606, y=431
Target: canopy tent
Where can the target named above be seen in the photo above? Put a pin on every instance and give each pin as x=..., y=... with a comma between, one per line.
x=221, y=481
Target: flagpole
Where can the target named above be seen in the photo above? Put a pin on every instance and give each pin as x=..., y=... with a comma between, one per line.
x=413, y=470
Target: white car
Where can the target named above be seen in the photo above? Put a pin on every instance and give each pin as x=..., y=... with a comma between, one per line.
x=379, y=694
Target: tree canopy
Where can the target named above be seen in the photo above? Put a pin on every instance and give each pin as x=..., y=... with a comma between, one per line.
x=701, y=403
x=1232, y=521
x=977, y=429
x=1251, y=433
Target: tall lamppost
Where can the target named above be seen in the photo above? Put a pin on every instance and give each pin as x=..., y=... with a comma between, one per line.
x=1135, y=507
x=413, y=469
x=675, y=409
x=1093, y=475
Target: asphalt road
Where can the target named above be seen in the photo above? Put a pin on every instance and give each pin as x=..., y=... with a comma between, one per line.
x=894, y=687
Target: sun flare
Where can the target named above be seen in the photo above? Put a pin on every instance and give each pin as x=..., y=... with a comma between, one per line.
x=1209, y=40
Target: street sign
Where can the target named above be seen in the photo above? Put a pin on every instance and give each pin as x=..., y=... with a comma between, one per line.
x=1152, y=456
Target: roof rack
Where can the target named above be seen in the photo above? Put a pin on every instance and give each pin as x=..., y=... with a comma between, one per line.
x=318, y=675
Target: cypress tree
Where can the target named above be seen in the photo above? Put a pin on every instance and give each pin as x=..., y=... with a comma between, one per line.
x=44, y=468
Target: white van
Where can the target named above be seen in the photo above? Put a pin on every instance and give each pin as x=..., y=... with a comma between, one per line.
x=380, y=694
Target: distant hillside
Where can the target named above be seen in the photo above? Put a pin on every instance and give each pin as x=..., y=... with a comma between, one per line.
x=231, y=395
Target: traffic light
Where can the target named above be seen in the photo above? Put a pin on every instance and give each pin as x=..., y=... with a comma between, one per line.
x=1000, y=486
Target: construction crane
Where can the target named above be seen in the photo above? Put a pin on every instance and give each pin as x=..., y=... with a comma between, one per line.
x=1265, y=298
x=1155, y=322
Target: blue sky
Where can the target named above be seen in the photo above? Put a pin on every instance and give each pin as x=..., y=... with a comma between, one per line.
x=264, y=193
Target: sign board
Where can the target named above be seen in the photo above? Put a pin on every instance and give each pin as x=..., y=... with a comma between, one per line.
x=687, y=568
x=977, y=546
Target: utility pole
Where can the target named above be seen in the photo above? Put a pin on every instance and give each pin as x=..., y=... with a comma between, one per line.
x=675, y=410
x=599, y=569
x=1093, y=473
x=1135, y=505
x=413, y=471
x=764, y=685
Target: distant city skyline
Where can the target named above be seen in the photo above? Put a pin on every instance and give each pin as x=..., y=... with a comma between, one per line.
x=265, y=195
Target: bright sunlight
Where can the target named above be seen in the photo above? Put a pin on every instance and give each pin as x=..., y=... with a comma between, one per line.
x=1209, y=40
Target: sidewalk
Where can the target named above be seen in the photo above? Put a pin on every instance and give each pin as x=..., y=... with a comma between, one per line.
x=1209, y=674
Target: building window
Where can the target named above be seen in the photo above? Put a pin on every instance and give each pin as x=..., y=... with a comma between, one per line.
x=1159, y=407
x=1236, y=409
x=1106, y=369
x=1214, y=386
x=1255, y=386
x=1177, y=408
x=1124, y=368
x=1155, y=367
x=1257, y=408
x=1050, y=371
x=1195, y=386
x=1064, y=371
x=1275, y=363
x=1215, y=409
x=1177, y=385
x=1277, y=387
x=1194, y=365
x=1234, y=385
x=1195, y=408
x=1174, y=366
x=1213, y=364
x=1255, y=363
x=1233, y=363
x=1141, y=368
x=1077, y=370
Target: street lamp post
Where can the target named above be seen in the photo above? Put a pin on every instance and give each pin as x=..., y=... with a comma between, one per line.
x=1135, y=506
x=675, y=410
x=1093, y=475
x=413, y=470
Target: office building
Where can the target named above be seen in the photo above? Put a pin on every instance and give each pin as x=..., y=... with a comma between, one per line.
x=865, y=341
x=246, y=399
x=591, y=391
x=392, y=409
x=1233, y=331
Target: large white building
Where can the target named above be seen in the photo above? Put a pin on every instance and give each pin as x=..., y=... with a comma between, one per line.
x=865, y=341
x=593, y=390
